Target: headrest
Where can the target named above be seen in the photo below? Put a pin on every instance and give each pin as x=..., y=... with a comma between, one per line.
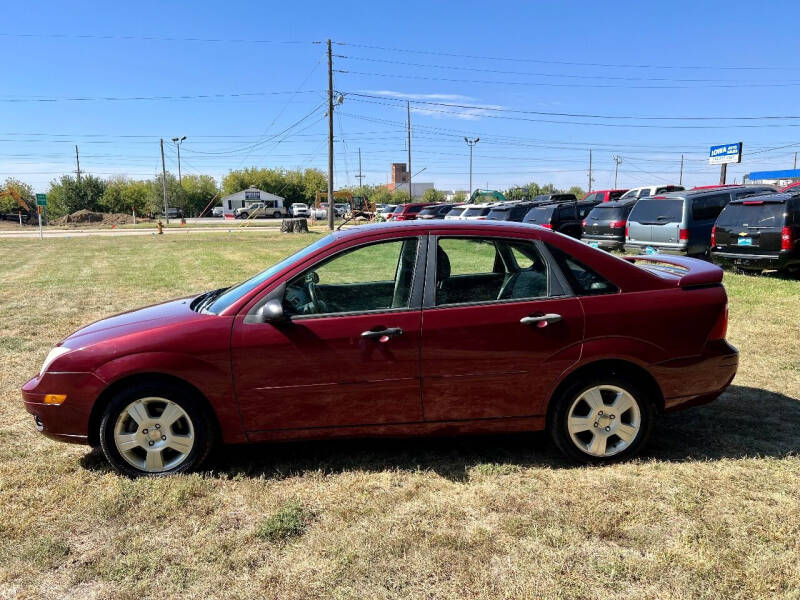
x=442, y=264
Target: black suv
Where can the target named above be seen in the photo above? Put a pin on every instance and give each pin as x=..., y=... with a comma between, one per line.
x=604, y=226
x=513, y=211
x=552, y=198
x=437, y=211
x=564, y=217
x=759, y=232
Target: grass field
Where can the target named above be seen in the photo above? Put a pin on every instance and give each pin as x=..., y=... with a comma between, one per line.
x=711, y=510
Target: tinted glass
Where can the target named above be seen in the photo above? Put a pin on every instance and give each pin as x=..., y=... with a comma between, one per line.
x=594, y=197
x=614, y=195
x=705, y=208
x=475, y=212
x=398, y=209
x=499, y=214
x=431, y=210
x=539, y=215
x=658, y=211
x=753, y=216
x=414, y=209
x=584, y=281
x=373, y=277
x=644, y=193
x=602, y=213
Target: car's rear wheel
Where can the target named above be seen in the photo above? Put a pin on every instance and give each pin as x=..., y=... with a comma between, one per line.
x=243, y=215
x=156, y=428
x=604, y=419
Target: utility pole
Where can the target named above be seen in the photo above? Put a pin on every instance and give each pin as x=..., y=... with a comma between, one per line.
x=471, y=142
x=360, y=177
x=178, y=142
x=723, y=172
x=590, y=169
x=680, y=181
x=617, y=160
x=795, y=160
x=78, y=163
x=408, y=120
x=164, y=181
x=330, y=137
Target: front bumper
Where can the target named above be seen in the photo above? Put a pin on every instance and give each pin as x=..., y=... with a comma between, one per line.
x=706, y=375
x=68, y=421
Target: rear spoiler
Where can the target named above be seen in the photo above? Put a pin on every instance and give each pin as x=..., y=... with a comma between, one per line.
x=692, y=271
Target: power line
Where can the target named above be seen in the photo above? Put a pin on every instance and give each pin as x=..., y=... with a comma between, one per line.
x=148, y=98
x=150, y=38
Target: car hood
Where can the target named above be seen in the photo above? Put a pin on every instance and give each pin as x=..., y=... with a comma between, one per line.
x=134, y=321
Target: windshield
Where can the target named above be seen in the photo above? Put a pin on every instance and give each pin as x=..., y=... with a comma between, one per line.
x=230, y=295
x=657, y=211
x=752, y=216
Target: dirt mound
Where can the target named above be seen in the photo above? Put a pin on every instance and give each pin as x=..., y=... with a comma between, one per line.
x=82, y=217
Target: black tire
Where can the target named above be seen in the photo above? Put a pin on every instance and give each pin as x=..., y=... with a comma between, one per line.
x=243, y=215
x=200, y=423
x=276, y=215
x=557, y=425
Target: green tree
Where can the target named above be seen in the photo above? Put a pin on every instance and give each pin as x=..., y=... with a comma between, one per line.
x=400, y=196
x=66, y=195
x=198, y=190
x=577, y=190
x=381, y=195
x=459, y=198
x=432, y=195
x=25, y=191
x=292, y=186
x=125, y=196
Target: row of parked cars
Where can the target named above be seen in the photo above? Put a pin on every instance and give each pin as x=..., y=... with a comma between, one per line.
x=751, y=227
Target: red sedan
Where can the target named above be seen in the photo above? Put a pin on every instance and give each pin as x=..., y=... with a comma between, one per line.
x=417, y=328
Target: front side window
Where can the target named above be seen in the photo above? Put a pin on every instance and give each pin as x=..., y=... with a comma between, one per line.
x=367, y=278
x=472, y=270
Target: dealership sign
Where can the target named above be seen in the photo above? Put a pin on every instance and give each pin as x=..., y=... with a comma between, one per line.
x=726, y=153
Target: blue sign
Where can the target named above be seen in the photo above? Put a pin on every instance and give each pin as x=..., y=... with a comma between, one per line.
x=726, y=153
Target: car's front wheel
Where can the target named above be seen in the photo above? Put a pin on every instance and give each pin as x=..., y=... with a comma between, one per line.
x=605, y=419
x=155, y=428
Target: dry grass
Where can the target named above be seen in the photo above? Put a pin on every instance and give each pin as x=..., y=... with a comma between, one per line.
x=712, y=510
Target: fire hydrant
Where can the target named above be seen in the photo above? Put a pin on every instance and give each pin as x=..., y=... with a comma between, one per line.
x=160, y=226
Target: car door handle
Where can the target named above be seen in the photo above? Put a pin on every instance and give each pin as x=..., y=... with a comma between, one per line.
x=382, y=335
x=540, y=320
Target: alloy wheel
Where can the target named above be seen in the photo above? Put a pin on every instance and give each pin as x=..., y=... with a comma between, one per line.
x=154, y=434
x=604, y=420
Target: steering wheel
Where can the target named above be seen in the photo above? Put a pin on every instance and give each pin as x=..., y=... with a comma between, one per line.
x=311, y=284
x=508, y=285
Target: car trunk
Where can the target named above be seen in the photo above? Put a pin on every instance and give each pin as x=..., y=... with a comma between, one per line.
x=599, y=222
x=656, y=221
x=750, y=227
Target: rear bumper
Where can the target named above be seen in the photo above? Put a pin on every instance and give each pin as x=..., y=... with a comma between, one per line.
x=606, y=243
x=775, y=260
x=705, y=376
x=641, y=247
x=68, y=421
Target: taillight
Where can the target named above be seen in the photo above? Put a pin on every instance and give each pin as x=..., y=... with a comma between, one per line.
x=720, y=329
x=627, y=232
x=547, y=225
x=617, y=224
x=787, y=238
x=683, y=234
x=714, y=236
x=583, y=222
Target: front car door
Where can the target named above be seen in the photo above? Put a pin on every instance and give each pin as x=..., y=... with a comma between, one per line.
x=348, y=354
x=499, y=328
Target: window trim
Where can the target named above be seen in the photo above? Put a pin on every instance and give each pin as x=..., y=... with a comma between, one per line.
x=415, y=294
x=557, y=287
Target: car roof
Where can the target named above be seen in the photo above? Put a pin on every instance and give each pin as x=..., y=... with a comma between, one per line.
x=776, y=197
x=616, y=203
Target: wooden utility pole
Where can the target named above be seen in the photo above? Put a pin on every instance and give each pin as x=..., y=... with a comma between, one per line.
x=330, y=138
x=795, y=160
x=360, y=177
x=408, y=112
x=78, y=163
x=617, y=160
x=590, y=169
x=723, y=172
x=164, y=181
x=680, y=180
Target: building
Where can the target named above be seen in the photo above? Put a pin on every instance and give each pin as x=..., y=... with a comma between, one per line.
x=778, y=178
x=400, y=177
x=245, y=197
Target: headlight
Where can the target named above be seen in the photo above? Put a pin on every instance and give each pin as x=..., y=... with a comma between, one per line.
x=53, y=354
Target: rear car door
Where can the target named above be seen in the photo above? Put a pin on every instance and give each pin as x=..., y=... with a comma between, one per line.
x=498, y=328
x=349, y=352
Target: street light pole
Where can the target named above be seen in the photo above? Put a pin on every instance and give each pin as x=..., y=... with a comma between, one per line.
x=471, y=142
x=178, y=142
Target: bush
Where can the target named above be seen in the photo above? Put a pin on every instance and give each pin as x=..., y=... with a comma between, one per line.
x=288, y=522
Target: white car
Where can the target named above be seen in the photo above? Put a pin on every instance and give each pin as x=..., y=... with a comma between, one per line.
x=649, y=190
x=476, y=212
x=298, y=209
x=456, y=213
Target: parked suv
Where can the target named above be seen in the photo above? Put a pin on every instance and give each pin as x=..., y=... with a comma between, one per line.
x=681, y=222
x=603, y=195
x=550, y=198
x=408, y=212
x=650, y=190
x=437, y=211
x=604, y=226
x=299, y=209
x=510, y=212
x=260, y=209
x=759, y=232
x=565, y=217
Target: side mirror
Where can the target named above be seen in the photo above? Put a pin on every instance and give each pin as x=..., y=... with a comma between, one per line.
x=270, y=312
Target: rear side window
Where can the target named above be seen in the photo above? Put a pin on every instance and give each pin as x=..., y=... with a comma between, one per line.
x=583, y=280
x=614, y=195
x=414, y=209
x=539, y=215
x=644, y=193
x=706, y=208
x=658, y=211
x=566, y=213
x=754, y=216
x=474, y=212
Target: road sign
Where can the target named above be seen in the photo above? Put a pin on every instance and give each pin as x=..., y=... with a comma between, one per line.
x=41, y=199
x=725, y=153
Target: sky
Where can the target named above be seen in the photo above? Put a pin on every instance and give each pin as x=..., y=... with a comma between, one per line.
x=540, y=83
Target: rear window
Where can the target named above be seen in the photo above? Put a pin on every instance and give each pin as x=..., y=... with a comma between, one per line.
x=753, y=216
x=431, y=210
x=602, y=213
x=658, y=211
x=415, y=209
x=500, y=214
x=475, y=212
x=539, y=215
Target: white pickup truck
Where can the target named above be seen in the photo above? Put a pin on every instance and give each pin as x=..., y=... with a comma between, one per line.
x=256, y=210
